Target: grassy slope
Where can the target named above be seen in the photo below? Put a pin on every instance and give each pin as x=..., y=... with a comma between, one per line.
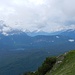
x=66, y=67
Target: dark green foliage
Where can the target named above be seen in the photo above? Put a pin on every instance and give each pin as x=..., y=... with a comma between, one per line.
x=29, y=73
x=46, y=66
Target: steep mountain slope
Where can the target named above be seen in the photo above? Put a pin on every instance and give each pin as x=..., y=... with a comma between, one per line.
x=14, y=41
x=65, y=65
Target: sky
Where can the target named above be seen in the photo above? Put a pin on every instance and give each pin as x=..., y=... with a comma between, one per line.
x=40, y=15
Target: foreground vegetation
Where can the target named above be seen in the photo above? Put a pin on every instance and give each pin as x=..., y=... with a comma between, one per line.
x=46, y=66
x=61, y=65
x=66, y=67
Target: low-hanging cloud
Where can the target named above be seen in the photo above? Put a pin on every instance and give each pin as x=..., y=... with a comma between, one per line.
x=46, y=15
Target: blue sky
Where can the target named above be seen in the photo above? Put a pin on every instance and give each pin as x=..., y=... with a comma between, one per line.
x=45, y=15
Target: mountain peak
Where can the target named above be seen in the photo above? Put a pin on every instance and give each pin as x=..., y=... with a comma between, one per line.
x=70, y=30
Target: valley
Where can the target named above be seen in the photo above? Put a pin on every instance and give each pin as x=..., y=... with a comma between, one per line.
x=20, y=52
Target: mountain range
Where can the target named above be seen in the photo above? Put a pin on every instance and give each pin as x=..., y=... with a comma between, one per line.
x=25, y=51
x=20, y=40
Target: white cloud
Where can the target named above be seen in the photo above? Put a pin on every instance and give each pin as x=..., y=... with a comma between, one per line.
x=46, y=15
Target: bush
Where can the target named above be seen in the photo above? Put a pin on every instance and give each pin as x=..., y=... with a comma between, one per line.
x=46, y=66
x=28, y=73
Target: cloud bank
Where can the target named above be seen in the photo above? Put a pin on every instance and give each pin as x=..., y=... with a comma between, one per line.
x=45, y=15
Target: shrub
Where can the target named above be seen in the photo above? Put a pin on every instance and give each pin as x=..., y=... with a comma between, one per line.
x=46, y=66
